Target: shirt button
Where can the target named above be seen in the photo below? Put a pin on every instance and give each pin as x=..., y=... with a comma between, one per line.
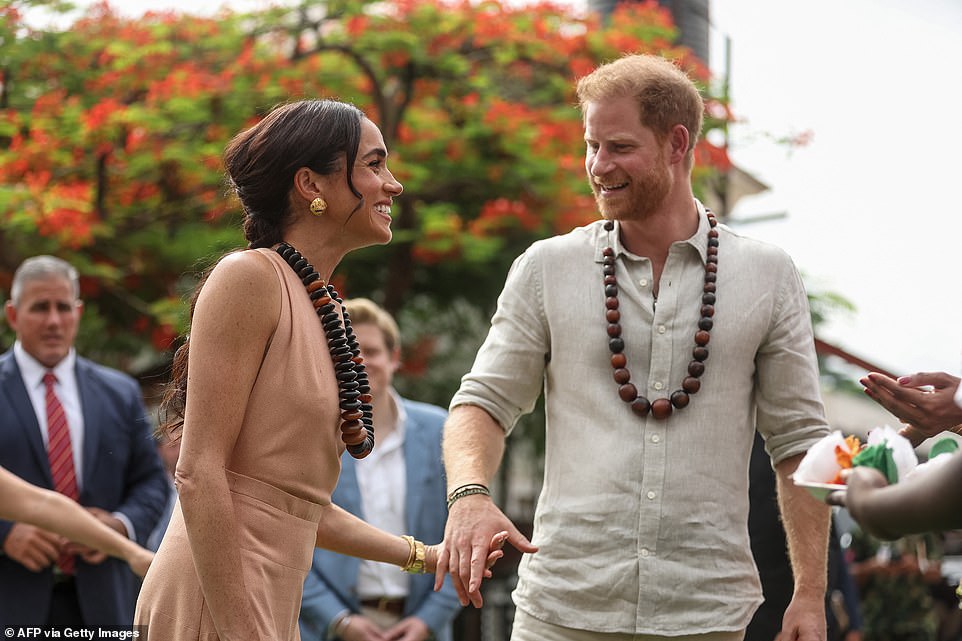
x=658, y=385
x=655, y=438
x=651, y=495
x=643, y=282
x=661, y=329
x=645, y=552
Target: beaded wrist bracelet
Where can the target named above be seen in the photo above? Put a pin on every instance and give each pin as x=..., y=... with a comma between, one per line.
x=467, y=490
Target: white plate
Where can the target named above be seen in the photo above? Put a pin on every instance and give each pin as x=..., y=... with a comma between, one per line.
x=820, y=490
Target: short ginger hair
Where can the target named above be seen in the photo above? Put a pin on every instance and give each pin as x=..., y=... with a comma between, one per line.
x=666, y=95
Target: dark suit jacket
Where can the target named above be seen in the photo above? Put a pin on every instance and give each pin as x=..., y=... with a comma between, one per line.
x=331, y=585
x=121, y=473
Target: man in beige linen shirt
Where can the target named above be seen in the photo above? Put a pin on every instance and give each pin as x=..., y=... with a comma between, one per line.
x=641, y=526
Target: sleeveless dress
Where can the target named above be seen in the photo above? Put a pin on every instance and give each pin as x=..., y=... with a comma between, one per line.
x=282, y=471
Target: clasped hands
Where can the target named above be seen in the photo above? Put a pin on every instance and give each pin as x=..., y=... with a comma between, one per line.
x=474, y=536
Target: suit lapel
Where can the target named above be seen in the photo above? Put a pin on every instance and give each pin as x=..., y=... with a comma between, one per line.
x=13, y=387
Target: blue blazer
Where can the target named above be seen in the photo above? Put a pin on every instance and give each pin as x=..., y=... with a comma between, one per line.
x=331, y=585
x=121, y=473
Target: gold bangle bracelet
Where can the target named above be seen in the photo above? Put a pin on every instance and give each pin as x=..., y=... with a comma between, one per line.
x=416, y=556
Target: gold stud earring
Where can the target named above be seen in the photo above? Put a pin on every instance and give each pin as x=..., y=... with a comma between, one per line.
x=318, y=206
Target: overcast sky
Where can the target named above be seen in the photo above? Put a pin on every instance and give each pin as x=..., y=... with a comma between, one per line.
x=872, y=202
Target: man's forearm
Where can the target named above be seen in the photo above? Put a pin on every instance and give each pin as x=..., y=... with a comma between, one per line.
x=473, y=446
x=806, y=524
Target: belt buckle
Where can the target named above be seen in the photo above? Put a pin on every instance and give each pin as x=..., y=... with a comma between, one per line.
x=384, y=604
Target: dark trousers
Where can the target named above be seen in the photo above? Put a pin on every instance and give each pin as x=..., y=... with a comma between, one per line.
x=65, y=605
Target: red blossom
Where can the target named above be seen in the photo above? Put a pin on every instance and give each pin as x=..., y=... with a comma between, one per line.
x=67, y=213
x=162, y=337
x=98, y=115
x=356, y=25
x=500, y=214
x=707, y=154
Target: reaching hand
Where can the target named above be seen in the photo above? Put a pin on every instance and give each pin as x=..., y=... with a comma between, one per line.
x=139, y=561
x=927, y=412
x=476, y=529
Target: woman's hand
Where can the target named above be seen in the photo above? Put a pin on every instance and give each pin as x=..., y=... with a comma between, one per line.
x=139, y=560
x=925, y=402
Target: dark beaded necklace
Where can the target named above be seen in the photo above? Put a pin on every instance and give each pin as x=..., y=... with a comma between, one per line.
x=354, y=393
x=660, y=408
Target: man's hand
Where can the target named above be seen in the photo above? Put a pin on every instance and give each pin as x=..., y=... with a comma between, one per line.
x=804, y=619
x=924, y=401
x=361, y=628
x=472, y=529
x=33, y=548
x=408, y=629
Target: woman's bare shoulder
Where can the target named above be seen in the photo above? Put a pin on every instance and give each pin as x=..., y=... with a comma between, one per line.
x=245, y=268
x=243, y=286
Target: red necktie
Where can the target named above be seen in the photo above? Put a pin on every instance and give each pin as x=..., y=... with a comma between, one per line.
x=60, y=454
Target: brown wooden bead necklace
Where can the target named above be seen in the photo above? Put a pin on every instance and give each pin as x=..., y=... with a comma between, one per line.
x=354, y=392
x=660, y=408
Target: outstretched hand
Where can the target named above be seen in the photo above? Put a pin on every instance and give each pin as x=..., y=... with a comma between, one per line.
x=924, y=401
x=475, y=530
x=139, y=561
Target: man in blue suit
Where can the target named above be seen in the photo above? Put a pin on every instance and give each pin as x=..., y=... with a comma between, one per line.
x=399, y=487
x=72, y=425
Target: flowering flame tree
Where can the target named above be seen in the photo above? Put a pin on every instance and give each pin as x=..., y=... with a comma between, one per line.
x=111, y=134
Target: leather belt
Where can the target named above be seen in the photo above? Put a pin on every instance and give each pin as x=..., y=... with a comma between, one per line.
x=393, y=606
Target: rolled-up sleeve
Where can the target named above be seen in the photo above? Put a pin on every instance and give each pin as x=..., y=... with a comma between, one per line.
x=789, y=408
x=508, y=372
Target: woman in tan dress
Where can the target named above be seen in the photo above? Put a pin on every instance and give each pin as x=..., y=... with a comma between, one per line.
x=273, y=397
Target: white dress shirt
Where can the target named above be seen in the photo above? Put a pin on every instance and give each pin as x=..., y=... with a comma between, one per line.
x=382, y=480
x=32, y=372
